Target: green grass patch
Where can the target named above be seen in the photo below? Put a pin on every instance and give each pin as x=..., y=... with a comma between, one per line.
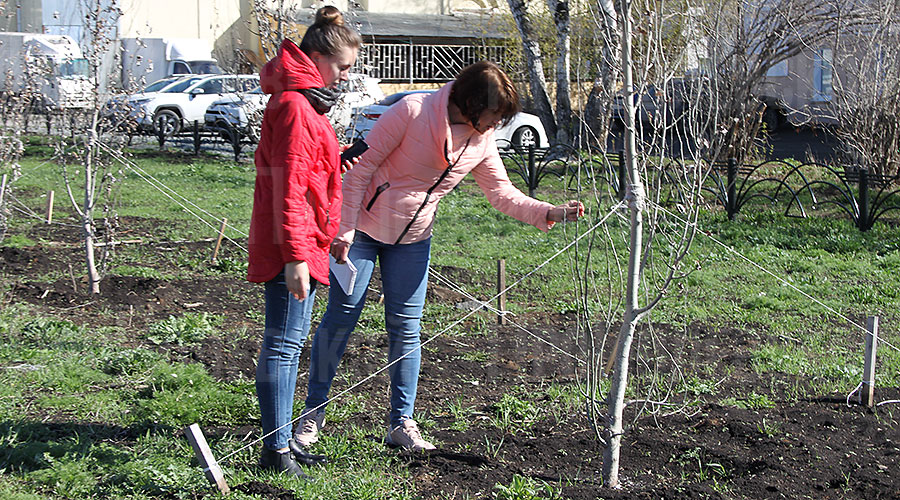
x=526, y=488
x=752, y=401
x=514, y=415
x=17, y=241
x=184, y=330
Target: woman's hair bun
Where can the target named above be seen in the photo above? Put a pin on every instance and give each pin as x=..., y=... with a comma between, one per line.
x=329, y=15
x=328, y=35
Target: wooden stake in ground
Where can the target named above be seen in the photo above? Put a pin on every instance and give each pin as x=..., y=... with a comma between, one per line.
x=210, y=467
x=501, y=290
x=49, y=207
x=867, y=392
x=219, y=240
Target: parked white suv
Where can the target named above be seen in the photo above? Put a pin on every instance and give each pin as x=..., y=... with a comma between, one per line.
x=120, y=107
x=173, y=108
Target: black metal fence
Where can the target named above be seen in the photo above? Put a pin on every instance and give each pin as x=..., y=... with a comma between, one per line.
x=798, y=189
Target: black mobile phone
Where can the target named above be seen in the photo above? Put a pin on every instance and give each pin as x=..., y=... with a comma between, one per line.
x=359, y=147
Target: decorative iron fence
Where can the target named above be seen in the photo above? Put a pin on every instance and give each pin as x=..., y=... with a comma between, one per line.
x=533, y=164
x=413, y=63
x=799, y=188
x=862, y=196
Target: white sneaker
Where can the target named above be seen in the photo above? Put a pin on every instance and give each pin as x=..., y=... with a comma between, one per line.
x=307, y=431
x=407, y=436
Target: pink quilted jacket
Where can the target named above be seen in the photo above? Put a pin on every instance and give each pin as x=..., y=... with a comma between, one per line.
x=393, y=192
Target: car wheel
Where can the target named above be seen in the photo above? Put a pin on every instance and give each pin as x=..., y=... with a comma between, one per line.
x=525, y=136
x=166, y=122
x=226, y=131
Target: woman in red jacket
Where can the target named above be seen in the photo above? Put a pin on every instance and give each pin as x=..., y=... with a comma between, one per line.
x=296, y=211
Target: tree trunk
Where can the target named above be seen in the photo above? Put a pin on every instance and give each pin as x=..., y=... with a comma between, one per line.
x=597, y=109
x=635, y=196
x=560, y=9
x=535, y=67
x=87, y=221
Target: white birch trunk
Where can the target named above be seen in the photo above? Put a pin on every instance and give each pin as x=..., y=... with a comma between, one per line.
x=635, y=194
x=560, y=11
x=535, y=67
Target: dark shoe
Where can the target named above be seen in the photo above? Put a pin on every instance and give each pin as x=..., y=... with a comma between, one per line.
x=305, y=457
x=281, y=462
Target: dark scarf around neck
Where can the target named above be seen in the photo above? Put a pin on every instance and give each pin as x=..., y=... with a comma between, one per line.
x=322, y=99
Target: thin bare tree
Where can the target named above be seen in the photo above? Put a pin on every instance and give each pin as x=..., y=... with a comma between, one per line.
x=744, y=40
x=668, y=109
x=866, y=88
x=596, y=114
x=660, y=226
x=89, y=146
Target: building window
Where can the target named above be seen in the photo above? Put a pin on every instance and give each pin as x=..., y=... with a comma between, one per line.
x=780, y=69
x=823, y=72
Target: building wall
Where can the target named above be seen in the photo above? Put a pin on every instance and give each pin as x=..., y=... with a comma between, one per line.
x=228, y=26
x=795, y=83
x=443, y=7
x=206, y=19
x=26, y=17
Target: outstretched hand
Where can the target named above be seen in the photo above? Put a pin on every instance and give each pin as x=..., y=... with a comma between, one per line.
x=569, y=211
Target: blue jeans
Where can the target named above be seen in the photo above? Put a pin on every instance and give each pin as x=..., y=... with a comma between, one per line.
x=287, y=325
x=404, y=278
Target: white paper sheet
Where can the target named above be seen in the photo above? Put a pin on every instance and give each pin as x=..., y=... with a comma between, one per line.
x=345, y=274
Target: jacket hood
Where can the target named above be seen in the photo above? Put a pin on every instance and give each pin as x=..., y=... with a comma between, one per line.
x=438, y=115
x=291, y=69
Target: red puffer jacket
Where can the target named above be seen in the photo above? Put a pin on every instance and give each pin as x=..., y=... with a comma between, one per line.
x=297, y=202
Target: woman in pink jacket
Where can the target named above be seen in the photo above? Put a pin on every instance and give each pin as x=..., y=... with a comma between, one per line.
x=420, y=149
x=295, y=213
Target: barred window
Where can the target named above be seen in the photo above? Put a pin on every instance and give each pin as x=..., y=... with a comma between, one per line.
x=422, y=63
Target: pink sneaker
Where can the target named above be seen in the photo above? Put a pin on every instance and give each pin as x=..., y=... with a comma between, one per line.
x=407, y=436
x=307, y=431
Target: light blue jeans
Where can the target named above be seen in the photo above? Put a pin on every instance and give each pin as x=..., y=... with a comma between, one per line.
x=404, y=278
x=287, y=325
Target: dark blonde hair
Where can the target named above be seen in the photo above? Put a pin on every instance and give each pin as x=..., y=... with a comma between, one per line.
x=328, y=34
x=484, y=86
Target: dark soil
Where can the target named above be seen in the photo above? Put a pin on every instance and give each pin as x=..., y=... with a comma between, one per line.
x=815, y=447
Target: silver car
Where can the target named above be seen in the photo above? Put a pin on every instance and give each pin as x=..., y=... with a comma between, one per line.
x=239, y=114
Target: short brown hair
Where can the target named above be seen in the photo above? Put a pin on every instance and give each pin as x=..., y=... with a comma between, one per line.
x=328, y=34
x=484, y=86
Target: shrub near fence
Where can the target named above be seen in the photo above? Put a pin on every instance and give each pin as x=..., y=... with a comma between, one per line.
x=797, y=188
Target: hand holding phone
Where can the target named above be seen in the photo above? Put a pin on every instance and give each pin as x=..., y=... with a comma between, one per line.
x=359, y=147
